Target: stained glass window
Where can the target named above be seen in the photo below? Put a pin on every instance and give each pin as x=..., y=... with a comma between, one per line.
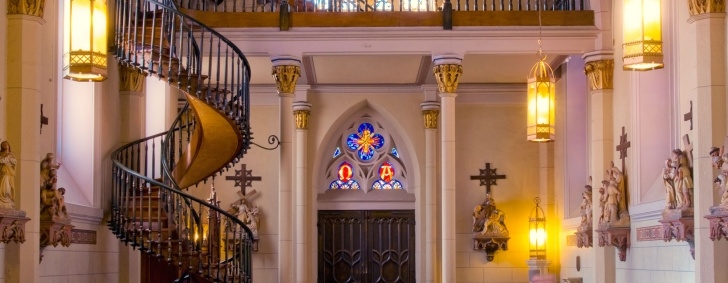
x=337, y=152
x=365, y=141
x=386, y=178
x=345, y=182
x=394, y=152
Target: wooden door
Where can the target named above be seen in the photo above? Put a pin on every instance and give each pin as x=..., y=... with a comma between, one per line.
x=366, y=246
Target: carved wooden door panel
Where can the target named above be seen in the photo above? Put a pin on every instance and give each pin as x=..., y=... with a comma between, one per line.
x=366, y=246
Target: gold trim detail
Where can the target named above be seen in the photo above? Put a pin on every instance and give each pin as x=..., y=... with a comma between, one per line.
x=26, y=7
x=447, y=76
x=286, y=77
x=599, y=74
x=430, y=117
x=698, y=7
x=131, y=79
x=302, y=118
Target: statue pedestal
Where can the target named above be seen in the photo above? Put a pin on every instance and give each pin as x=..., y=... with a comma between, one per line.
x=718, y=223
x=584, y=237
x=678, y=224
x=12, y=225
x=490, y=244
x=617, y=236
x=53, y=232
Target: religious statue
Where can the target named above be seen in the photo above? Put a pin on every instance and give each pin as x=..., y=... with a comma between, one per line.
x=488, y=220
x=586, y=205
x=584, y=231
x=720, y=162
x=683, y=180
x=7, y=176
x=48, y=168
x=614, y=198
x=668, y=178
x=248, y=213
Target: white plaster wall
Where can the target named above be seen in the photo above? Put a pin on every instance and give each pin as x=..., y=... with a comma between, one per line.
x=83, y=263
x=494, y=134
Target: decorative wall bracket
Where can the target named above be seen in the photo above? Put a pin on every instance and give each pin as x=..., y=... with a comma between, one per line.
x=12, y=226
x=617, y=236
x=584, y=236
x=718, y=226
x=679, y=227
x=54, y=232
x=490, y=245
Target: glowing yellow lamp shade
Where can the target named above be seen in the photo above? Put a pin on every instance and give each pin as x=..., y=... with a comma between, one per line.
x=537, y=232
x=642, y=33
x=84, y=57
x=541, y=118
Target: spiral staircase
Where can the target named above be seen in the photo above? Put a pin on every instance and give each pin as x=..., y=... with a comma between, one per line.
x=182, y=238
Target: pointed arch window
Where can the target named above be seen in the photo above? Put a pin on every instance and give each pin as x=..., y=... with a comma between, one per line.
x=366, y=158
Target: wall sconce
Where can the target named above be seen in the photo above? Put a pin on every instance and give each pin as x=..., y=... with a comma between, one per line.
x=537, y=232
x=642, y=34
x=84, y=57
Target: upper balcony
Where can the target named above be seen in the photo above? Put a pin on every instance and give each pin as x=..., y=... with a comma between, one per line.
x=388, y=13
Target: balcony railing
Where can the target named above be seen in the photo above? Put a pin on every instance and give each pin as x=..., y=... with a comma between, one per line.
x=381, y=5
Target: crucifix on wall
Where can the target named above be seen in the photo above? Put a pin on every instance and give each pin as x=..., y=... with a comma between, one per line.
x=488, y=177
x=622, y=147
x=244, y=178
x=689, y=116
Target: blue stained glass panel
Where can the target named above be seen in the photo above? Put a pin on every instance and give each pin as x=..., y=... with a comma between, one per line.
x=337, y=152
x=365, y=141
x=395, y=152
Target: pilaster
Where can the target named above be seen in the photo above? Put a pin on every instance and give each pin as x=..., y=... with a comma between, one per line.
x=708, y=18
x=599, y=69
x=23, y=93
x=131, y=103
x=430, y=113
x=448, y=69
x=301, y=112
x=286, y=70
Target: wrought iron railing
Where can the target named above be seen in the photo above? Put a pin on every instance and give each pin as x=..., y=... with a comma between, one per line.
x=380, y=5
x=149, y=210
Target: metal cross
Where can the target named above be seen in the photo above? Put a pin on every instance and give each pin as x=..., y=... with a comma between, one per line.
x=243, y=178
x=689, y=116
x=43, y=119
x=622, y=147
x=488, y=177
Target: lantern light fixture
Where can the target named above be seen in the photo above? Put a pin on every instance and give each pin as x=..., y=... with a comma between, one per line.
x=642, y=35
x=85, y=45
x=537, y=232
x=540, y=119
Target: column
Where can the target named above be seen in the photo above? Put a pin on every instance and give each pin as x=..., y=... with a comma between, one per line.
x=24, y=45
x=301, y=111
x=131, y=104
x=448, y=69
x=286, y=71
x=430, y=111
x=599, y=70
x=709, y=130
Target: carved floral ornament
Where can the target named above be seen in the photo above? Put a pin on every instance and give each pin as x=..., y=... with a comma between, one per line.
x=286, y=77
x=698, y=7
x=26, y=7
x=447, y=76
x=599, y=74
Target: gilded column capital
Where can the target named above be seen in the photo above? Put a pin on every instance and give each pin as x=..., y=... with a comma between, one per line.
x=599, y=74
x=286, y=77
x=430, y=111
x=131, y=79
x=301, y=112
x=448, y=76
x=26, y=7
x=698, y=7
